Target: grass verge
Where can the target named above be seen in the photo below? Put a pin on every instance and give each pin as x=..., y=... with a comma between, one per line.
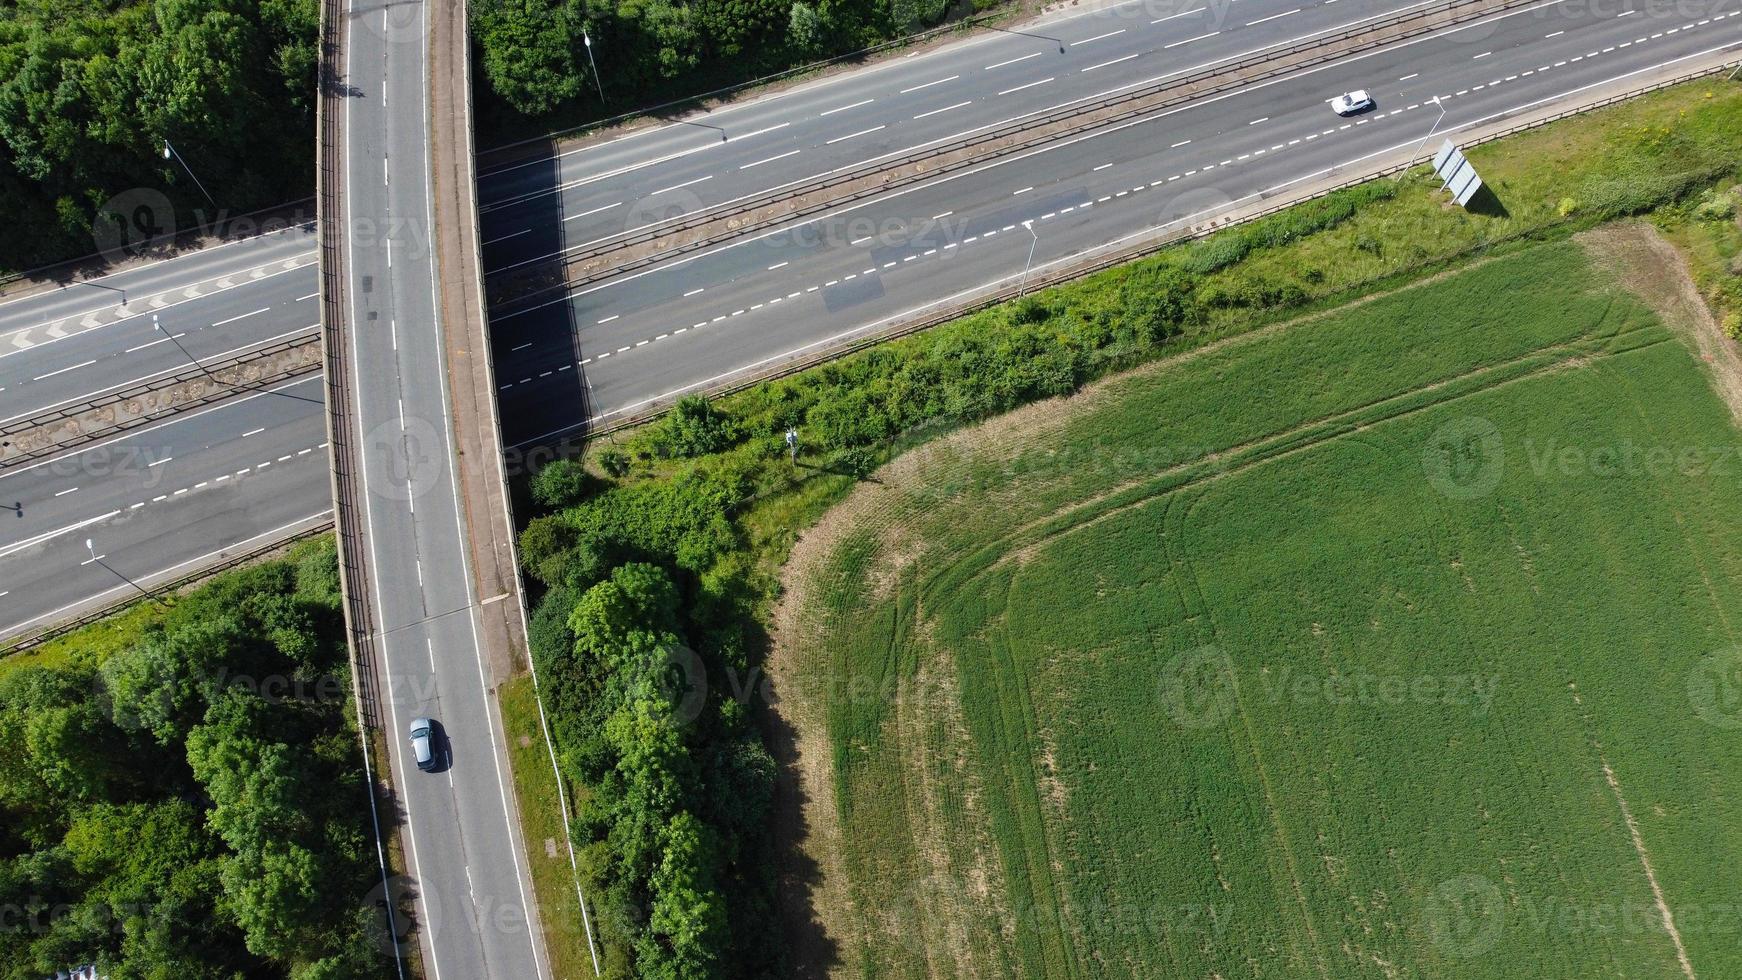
x=541, y=824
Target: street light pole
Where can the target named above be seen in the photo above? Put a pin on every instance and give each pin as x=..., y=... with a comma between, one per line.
x=172, y=338
x=169, y=152
x=214, y=379
x=1424, y=139
x=597, y=81
x=92, y=548
x=1023, y=287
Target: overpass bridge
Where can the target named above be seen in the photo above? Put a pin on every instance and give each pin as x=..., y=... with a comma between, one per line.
x=433, y=599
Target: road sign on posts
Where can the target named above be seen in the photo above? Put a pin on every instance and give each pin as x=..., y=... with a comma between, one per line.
x=1457, y=172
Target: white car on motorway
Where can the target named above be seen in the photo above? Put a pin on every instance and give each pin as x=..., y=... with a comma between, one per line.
x=426, y=749
x=1350, y=103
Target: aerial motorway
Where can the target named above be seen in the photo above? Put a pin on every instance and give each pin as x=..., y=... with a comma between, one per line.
x=623, y=337
x=420, y=623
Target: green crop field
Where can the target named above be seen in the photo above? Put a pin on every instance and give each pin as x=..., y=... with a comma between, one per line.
x=1397, y=642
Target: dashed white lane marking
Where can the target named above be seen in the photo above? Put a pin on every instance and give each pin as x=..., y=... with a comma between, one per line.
x=1012, y=61
x=757, y=132
x=1024, y=190
x=62, y=493
x=849, y=136
x=1098, y=37
x=687, y=183
x=75, y=367
x=242, y=316
x=1189, y=40
x=1028, y=85
x=301, y=298
x=939, y=81
x=592, y=211
x=844, y=108
x=777, y=156
x=944, y=109
x=221, y=478
x=1286, y=13
x=1183, y=13
x=154, y=343
x=1113, y=62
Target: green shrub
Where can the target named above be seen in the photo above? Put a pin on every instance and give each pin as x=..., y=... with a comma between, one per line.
x=693, y=428
x=614, y=462
x=1029, y=309
x=856, y=461
x=1716, y=205
x=562, y=483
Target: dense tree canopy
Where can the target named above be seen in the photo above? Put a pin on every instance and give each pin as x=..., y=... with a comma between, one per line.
x=90, y=89
x=672, y=828
x=534, y=56
x=193, y=806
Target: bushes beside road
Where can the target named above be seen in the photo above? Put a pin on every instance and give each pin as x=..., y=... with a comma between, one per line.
x=192, y=804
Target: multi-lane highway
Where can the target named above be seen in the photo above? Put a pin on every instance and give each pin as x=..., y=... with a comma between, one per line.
x=71, y=344
x=473, y=892
x=593, y=194
x=657, y=330
x=203, y=485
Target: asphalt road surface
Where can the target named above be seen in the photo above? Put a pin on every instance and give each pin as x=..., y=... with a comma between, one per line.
x=595, y=193
x=472, y=891
x=156, y=500
x=655, y=332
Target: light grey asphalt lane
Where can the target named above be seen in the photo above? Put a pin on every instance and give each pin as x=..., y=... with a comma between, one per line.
x=933, y=98
x=159, y=499
x=648, y=334
x=150, y=344
x=139, y=283
x=472, y=889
